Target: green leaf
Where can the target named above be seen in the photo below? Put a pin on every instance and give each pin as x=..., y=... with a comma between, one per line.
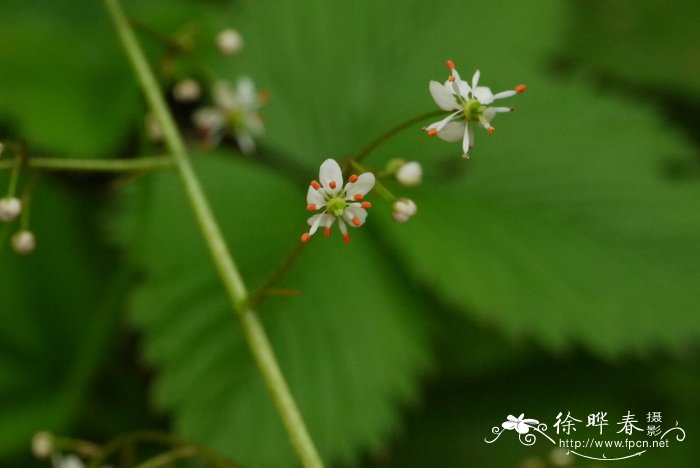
x=350, y=344
x=53, y=328
x=650, y=43
x=62, y=79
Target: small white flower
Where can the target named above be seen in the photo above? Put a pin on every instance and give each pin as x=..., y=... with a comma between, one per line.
x=23, y=242
x=229, y=41
x=10, y=208
x=410, y=174
x=235, y=111
x=466, y=104
x=187, y=90
x=522, y=426
x=42, y=444
x=403, y=209
x=334, y=200
x=67, y=461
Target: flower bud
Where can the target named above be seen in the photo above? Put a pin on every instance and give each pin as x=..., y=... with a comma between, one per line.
x=187, y=90
x=10, y=208
x=23, y=242
x=410, y=174
x=403, y=209
x=42, y=444
x=229, y=41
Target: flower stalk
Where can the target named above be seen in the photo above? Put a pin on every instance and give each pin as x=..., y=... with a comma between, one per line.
x=223, y=260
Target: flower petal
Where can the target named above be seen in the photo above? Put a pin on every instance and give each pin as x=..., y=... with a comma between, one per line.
x=471, y=136
x=522, y=428
x=330, y=174
x=453, y=131
x=362, y=186
x=484, y=95
x=475, y=78
x=355, y=211
x=443, y=97
x=315, y=197
x=505, y=94
x=466, y=143
x=509, y=425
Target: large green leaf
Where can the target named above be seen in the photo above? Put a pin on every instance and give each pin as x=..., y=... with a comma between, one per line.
x=62, y=85
x=53, y=327
x=349, y=344
x=650, y=43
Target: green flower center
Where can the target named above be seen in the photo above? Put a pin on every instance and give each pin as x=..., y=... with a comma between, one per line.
x=473, y=109
x=336, y=206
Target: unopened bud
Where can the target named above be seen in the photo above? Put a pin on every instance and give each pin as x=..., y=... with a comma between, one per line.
x=410, y=174
x=187, y=90
x=23, y=242
x=42, y=444
x=10, y=208
x=403, y=209
x=229, y=41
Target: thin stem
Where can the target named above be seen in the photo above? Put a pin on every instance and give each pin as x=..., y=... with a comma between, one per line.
x=386, y=136
x=233, y=282
x=167, y=458
x=144, y=164
x=278, y=273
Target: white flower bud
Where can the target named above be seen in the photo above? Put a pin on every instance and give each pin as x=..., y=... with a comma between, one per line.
x=42, y=444
x=23, y=242
x=410, y=174
x=10, y=208
x=229, y=41
x=403, y=209
x=187, y=90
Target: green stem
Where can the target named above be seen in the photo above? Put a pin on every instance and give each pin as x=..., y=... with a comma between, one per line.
x=144, y=164
x=168, y=458
x=232, y=280
x=386, y=136
x=282, y=267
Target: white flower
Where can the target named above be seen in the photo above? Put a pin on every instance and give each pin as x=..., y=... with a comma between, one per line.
x=229, y=41
x=235, y=111
x=10, y=208
x=187, y=90
x=403, y=209
x=334, y=200
x=522, y=426
x=410, y=174
x=67, y=461
x=467, y=103
x=23, y=242
x=42, y=444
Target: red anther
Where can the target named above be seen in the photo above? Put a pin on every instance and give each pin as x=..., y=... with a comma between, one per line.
x=311, y=207
x=332, y=184
x=491, y=130
x=346, y=238
x=353, y=179
x=432, y=132
x=450, y=65
x=521, y=88
x=451, y=78
x=327, y=231
x=356, y=221
x=366, y=205
x=305, y=237
x=358, y=197
x=315, y=185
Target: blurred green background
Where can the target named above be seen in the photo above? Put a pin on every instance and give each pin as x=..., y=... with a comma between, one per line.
x=556, y=270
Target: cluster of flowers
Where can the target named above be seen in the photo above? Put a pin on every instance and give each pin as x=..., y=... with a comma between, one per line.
x=467, y=104
x=233, y=110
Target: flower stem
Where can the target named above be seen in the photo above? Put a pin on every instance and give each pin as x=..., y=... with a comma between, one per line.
x=386, y=136
x=232, y=280
x=143, y=164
